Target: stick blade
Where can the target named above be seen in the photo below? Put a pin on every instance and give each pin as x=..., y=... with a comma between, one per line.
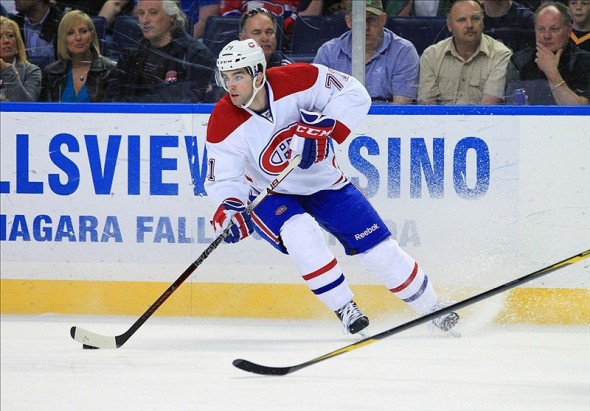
x=92, y=340
x=254, y=368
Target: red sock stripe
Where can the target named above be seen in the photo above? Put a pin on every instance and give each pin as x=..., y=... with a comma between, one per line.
x=407, y=282
x=321, y=271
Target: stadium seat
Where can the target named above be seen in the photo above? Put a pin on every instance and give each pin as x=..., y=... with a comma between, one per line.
x=190, y=22
x=310, y=32
x=100, y=25
x=421, y=31
x=126, y=33
x=40, y=61
x=220, y=30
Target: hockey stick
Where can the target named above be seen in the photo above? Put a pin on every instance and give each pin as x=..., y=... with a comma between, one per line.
x=91, y=340
x=266, y=370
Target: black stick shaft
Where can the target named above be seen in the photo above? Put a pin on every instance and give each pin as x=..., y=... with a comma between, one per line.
x=268, y=370
x=119, y=340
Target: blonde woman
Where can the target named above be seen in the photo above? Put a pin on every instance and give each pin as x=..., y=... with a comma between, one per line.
x=19, y=79
x=81, y=74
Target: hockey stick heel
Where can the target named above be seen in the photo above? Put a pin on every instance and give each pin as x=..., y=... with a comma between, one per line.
x=73, y=332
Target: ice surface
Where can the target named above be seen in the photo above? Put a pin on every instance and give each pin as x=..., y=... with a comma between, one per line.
x=185, y=364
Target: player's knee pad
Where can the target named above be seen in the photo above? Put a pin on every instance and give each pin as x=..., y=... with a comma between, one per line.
x=304, y=240
x=387, y=261
x=303, y=237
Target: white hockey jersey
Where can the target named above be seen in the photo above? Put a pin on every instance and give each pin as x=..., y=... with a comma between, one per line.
x=247, y=150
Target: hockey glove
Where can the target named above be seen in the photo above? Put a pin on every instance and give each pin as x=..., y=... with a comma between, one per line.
x=311, y=138
x=232, y=209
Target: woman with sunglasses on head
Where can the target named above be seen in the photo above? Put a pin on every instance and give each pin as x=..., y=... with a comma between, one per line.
x=81, y=74
x=19, y=79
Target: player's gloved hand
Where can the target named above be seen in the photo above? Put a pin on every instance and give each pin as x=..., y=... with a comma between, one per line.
x=234, y=210
x=311, y=138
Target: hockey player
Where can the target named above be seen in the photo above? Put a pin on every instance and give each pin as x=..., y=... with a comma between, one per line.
x=265, y=118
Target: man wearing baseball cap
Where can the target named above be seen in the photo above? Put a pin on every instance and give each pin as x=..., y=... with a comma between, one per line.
x=391, y=62
x=372, y=6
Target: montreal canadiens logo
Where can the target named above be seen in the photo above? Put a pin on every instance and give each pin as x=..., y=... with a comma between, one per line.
x=275, y=155
x=281, y=210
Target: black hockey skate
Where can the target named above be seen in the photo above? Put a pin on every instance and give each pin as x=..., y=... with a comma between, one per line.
x=353, y=319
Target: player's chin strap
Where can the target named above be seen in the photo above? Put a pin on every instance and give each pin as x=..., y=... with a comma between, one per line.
x=256, y=90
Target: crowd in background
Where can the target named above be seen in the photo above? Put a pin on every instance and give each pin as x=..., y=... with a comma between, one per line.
x=494, y=52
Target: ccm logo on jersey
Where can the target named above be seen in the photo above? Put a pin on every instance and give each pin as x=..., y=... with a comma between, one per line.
x=313, y=132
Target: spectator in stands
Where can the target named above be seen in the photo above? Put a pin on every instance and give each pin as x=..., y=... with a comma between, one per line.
x=329, y=7
x=531, y=4
x=261, y=25
x=81, y=74
x=109, y=9
x=398, y=7
x=325, y=7
x=431, y=8
x=7, y=7
x=201, y=11
x=288, y=9
x=509, y=22
x=391, y=7
x=19, y=79
x=391, y=62
x=556, y=71
x=580, y=10
x=467, y=68
x=168, y=66
x=38, y=21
